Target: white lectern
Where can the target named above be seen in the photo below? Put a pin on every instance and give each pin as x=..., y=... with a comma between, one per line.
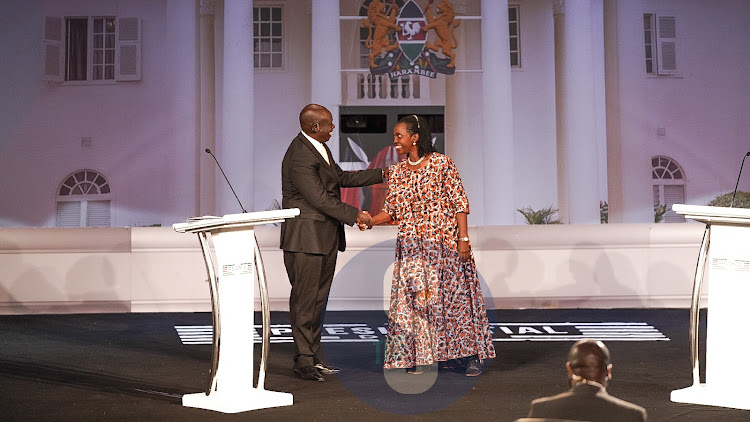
x=230, y=388
x=725, y=254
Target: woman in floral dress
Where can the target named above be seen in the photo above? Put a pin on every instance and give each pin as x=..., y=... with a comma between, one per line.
x=437, y=312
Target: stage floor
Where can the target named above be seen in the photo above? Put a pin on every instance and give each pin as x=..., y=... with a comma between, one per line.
x=137, y=367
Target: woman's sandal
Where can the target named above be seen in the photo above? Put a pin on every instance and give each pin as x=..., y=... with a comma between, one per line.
x=449, y=365
x=417, y=370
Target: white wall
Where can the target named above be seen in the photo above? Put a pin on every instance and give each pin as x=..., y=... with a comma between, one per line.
x=279, y=97
x=703, y=109
x=130, y=123
x=534, y=110
x=154, y=269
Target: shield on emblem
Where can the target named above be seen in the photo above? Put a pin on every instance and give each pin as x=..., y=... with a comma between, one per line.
x=411, y=38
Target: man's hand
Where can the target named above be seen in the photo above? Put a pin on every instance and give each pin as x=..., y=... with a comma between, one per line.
x=364, y=219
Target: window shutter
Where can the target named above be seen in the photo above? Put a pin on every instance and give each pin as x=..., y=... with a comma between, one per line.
x=666, y=33
x=54, y=53
x=128, y=50
x=673, y=194
x=69, y=214
x=97, y=214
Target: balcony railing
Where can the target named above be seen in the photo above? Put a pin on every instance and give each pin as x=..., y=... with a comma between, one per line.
x=362, y=87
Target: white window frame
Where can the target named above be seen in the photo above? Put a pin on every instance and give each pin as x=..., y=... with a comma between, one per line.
x=103, y=49
x=87, y=192
x=127, y=50
x=517, y=36
x=669, y=177
x=663, y=44
x=257, y=41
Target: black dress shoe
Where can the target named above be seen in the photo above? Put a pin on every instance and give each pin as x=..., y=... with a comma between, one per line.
x=326, y=369
x=308, y=373
x=473, y=367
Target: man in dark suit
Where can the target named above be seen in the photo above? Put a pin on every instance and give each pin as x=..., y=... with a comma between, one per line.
x=588, y=370
x=312, y=182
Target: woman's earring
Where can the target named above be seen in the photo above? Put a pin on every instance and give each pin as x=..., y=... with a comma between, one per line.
x=413, y=143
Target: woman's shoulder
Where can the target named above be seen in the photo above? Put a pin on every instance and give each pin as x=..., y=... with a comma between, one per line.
x=441, y=158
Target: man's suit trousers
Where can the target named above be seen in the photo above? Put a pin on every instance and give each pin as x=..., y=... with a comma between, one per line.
x=311, y=276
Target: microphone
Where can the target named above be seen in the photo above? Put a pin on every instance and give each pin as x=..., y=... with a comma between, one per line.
x=230, y=185
x=738, y=180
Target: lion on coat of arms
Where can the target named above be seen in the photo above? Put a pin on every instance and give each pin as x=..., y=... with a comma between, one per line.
x=378, y=25
x=444, y=26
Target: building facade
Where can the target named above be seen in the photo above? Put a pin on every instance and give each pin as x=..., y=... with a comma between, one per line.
x=110, y=105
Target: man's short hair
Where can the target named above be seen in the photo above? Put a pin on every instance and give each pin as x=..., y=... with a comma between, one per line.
x=311, y=114
x=589, y=359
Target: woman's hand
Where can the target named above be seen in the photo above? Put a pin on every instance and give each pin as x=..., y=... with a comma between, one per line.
x=464, y=250
x=380, y=218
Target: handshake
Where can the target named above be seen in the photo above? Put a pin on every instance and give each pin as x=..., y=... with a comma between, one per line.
x=364, y=220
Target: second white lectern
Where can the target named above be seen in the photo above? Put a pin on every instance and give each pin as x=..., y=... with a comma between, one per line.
x=725, y=256
x=230, y=387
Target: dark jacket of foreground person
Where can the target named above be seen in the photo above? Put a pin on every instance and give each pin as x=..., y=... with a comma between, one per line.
x=587, y=402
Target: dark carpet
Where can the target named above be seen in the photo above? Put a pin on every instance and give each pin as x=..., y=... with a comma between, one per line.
x=134, y=367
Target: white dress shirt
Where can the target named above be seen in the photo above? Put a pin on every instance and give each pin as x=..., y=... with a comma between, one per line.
x=319, y=146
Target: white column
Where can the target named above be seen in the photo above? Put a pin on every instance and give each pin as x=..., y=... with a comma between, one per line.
x=235, y=149
x=578, y=152
x=207, y=191
x=463, y=118
x=498, y=152
x=181, y=161
x=325, y=52
x=600, y=97
x=629, y=140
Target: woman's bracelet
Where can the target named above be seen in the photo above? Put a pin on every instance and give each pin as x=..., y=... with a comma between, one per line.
x=464, y=239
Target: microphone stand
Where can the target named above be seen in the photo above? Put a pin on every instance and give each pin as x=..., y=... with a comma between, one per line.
x=230, y=185
x=731, y=204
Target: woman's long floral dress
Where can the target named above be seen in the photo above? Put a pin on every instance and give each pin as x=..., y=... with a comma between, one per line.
x=437, y=311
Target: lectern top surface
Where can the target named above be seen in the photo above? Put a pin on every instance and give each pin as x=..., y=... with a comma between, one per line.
x=709, y=214
x=210, y=222
x=202, y=218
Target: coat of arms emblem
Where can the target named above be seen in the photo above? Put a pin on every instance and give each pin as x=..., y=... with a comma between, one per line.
x=400, y=43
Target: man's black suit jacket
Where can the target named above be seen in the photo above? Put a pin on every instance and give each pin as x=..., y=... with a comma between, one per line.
x=314, y=186
x=587, y=402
